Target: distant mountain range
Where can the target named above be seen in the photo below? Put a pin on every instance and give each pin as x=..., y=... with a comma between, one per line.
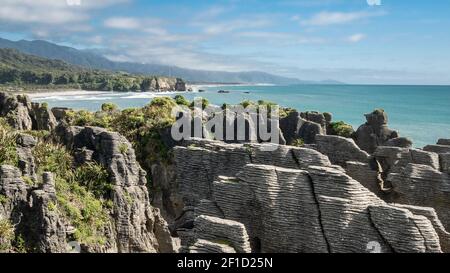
x=96, y=61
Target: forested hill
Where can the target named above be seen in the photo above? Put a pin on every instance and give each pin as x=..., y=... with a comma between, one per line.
x=18, y=70
x=95, y=59
x=13, y=59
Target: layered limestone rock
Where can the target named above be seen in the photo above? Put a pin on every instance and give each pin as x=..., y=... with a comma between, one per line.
x=289, y=205
x=25, y=145
x=49, y=228
x=14, y=191
x=136, y=222
x=22, y=114
x=304, y=126
x=424, y=186
x=443, y=141
x=135, y=226
x=31, y=211
x=161, y=84
x=212, y=232
x=15, y=108
x=204, y=246
x=438, y=148
x=375, y=132
x=340, y=150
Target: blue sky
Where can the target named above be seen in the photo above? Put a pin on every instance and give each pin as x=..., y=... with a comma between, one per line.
x=396, y=42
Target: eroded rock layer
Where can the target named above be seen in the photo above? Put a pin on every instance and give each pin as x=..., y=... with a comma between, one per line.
x=292, y=200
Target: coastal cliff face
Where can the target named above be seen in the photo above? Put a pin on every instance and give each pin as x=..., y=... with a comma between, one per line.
x=43, y=211
x=290, y=200
x=341, y=191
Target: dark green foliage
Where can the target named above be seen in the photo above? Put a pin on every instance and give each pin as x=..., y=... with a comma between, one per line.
x=141, y=126
x=342, y=129
x=21, y=70
x=82, y=192
x=8, y=153
x=94, y=178
x=180, y=100
x=299, y=142
x=109, y=107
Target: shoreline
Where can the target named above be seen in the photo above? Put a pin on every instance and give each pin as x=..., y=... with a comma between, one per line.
x=41, y=93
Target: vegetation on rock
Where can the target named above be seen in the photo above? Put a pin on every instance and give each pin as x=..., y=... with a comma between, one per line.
x=8, y=153
x=32, y=72
x=342, y=129
x=82, y=192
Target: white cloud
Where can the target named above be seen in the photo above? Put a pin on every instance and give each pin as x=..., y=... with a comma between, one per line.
x=49, y=11
x=295, y=18
x=122, y=23
x=149, y=26
x=238, y=24
x=326, y=18
x=356, y=37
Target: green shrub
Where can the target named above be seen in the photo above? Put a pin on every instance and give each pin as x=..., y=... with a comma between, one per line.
x=246, y=103
x=109, y=107
x=52, y=158
x=299, y=142
x=180, y=100
x=81, y=192
x=6, y=234
x=80, y=118
x=8, y=152
x=342, y=129
x=3, y=199
x=42, y=134
x=19, y=244
x=94, y=178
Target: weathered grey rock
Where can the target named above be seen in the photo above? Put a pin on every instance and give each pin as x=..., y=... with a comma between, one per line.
x=445, y=162
x=22, y=114
x=25, y=144
x=180, y=85
x=386, y=219
x=165, y=194
x=425, y=158
x=431, y=215
x=394, y=159
x=423, y=185
x=290, y=126
x=317, y=209
x=83, y=156
x=60, y=113
x=340, y=150
x=375, y=132
x=49, y=228
x=444, y=141
x=369, y=178
x=15, y=108
x=14, y=191
x=309, y=130
x=439, y=149
x=204, y=246
x=32, y=211
x=319, y=118
x=42, y=117
x=222, y=231
x=138, y=227
x=304, y=126
x=401, y=142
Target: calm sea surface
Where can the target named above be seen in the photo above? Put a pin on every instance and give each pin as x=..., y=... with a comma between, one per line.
x=419, y=112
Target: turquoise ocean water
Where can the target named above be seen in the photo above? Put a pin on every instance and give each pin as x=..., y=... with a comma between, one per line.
x=419, y=112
